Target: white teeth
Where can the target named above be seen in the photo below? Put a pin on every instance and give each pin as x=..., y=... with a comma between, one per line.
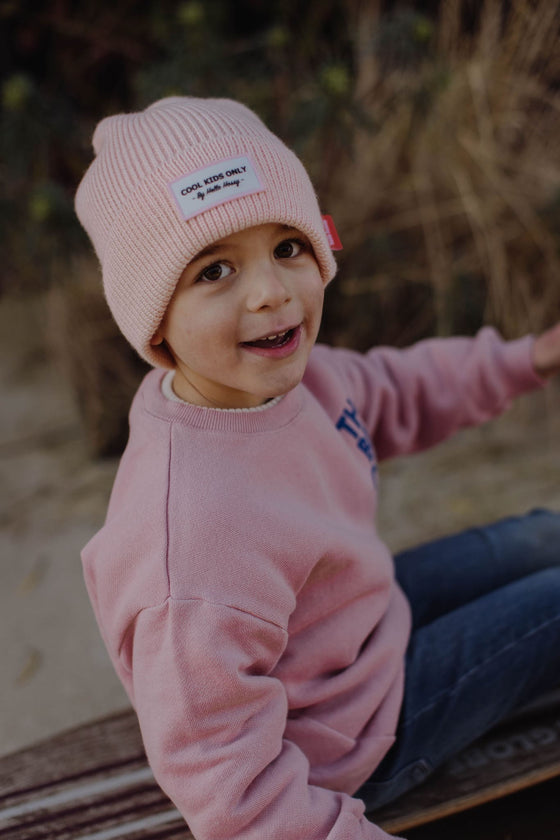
x=273, y=338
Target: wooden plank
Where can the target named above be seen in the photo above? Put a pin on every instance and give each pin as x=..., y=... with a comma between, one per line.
x=93, y=782
x=101, y=746
x=530, y=813
x=90, y=783
x=517, y=755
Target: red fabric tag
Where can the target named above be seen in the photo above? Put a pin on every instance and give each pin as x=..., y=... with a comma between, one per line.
x=332, y=234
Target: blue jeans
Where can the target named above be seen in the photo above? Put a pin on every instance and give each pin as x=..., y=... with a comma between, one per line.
x=485, y=640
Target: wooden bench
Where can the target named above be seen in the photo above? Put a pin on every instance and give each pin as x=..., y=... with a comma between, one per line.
x=93, y=782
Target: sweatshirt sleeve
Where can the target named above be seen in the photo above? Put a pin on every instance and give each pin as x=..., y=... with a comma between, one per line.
x=413, y=398
x=213, y=720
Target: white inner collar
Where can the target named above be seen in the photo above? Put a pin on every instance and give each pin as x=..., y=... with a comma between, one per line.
x=169, y=393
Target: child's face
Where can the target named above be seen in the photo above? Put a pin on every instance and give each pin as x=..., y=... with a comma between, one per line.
x=230, y=301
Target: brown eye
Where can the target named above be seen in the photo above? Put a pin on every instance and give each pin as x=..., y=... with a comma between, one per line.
x=288, y=248
x=216, y=271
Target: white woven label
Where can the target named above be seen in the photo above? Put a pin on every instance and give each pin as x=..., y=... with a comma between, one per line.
x=196, y=192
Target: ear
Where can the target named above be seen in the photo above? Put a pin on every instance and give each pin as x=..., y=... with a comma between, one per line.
x=156, y=339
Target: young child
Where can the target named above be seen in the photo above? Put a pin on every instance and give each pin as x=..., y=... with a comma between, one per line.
x=284, y=669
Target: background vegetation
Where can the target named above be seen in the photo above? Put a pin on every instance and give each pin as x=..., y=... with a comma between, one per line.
x=431, y=131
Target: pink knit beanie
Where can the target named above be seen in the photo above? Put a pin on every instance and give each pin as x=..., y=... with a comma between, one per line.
x=169, y=181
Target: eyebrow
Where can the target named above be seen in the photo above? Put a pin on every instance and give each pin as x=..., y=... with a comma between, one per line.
x=214, y=249
x=206, y=252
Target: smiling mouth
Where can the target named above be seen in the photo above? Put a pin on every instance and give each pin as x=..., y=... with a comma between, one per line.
x=273, y=341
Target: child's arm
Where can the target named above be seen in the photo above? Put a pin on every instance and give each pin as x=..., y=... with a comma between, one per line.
x=413, y=398
x=546, y=353
x=213, y=721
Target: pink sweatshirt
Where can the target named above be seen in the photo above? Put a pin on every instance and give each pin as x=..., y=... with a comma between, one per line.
x=246, y=600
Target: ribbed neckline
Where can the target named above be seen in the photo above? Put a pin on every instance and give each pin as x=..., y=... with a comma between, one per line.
x=270, y=418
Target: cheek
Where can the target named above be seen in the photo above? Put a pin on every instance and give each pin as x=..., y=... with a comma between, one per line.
x=177, y=329
x=209, y=330
x=316, y=295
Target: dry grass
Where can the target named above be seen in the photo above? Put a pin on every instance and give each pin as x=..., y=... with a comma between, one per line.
x=103, y=371
x=462, y=167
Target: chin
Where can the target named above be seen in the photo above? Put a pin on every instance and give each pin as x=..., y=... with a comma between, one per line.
x=285, y=387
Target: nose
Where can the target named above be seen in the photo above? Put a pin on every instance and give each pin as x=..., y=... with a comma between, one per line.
x=266, y=289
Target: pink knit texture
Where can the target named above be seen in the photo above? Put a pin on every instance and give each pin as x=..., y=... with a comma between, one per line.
x=126, y=206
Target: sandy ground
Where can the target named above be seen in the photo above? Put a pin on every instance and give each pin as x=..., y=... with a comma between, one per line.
x=55, y=670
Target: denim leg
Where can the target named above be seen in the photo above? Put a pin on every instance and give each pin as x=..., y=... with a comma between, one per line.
x=489, y=646
x=442, y=575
